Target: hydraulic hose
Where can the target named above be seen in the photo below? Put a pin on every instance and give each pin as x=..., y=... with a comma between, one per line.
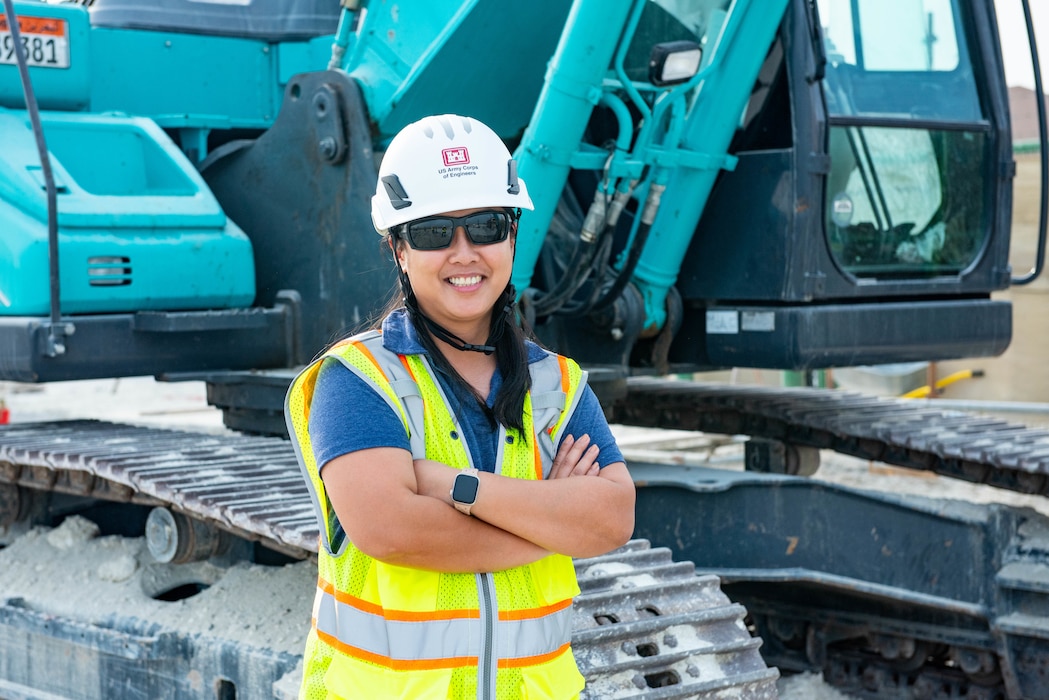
x=347, y=20
x=599, y=262
x=637, y=246
x=577, y=269
x=569, y=283
x=926, y=391
x=572, y=277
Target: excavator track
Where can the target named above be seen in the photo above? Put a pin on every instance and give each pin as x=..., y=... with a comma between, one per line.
x=245, y=485
x=902, y=432
x=645, y=626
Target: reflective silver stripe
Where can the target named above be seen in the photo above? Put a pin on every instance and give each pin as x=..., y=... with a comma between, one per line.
x=406, y=389
x=523, y=638
x=548, y=402
x=500, y=443
x=439, y=639
x=571, y=408
x=317, y=601
x=488, y=663
x=434, y=639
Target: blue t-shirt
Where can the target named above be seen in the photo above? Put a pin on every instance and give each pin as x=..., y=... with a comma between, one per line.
x=348, y=415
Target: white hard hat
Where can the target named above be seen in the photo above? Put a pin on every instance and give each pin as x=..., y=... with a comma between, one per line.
x=444, y=163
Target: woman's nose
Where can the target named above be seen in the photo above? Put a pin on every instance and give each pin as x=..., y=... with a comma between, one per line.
x=461, y=243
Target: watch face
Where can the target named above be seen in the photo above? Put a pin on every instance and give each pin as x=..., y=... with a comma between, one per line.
x=464, y=490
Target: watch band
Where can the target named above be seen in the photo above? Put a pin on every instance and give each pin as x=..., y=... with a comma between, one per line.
x=464, y=493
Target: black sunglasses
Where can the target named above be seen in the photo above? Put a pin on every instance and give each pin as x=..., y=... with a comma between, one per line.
x=437, y=232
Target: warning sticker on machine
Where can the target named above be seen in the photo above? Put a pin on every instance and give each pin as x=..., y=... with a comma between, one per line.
x=45, y=41
x=762, y=321
x=722, y=322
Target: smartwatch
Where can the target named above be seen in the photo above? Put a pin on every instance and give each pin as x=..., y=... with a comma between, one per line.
x=464, y=490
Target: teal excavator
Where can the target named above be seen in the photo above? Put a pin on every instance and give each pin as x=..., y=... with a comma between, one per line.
x=783, y=184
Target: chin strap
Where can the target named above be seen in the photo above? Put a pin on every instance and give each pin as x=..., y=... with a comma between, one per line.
x=438, y=331
x=451, y=338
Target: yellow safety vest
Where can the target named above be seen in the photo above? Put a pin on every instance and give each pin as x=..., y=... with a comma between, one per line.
x=385, y=631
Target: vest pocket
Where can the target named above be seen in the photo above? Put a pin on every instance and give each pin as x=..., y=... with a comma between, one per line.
x=350, y=679
x=557, y=679
x=554, y=578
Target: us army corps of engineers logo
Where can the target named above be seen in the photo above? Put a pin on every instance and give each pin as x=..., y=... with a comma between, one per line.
x=456, y=163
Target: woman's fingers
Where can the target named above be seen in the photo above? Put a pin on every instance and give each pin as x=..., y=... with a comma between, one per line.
x=587, y=461
x=561, y=458
x=575, y=457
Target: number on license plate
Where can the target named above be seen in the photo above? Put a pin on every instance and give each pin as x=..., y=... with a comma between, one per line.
x=44, y=39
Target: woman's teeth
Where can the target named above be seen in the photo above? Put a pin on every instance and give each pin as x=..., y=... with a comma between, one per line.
x=465, y=281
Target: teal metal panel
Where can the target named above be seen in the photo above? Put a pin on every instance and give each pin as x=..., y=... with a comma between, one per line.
x=20, y=231
x=180, y=80
x=392, y=40
x=55, y=87
x=111, y=171
x=185, y=80
x=483, y=58
x=301, y=57
x=138, y=227
x=130, y=269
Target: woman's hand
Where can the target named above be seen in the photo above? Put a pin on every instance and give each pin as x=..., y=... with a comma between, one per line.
x=575, y=458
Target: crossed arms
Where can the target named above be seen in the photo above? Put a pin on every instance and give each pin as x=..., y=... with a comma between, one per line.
x=399, y=511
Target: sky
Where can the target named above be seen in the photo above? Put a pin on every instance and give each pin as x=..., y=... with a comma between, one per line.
x=1015, y=51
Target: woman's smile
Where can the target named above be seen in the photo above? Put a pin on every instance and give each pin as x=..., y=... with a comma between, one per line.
x=466, y=282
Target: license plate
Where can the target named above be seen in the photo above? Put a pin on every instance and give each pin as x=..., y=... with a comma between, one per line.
x=45, y=39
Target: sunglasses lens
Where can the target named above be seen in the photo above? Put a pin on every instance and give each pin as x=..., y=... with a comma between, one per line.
x=487, y=227
x=431, y=234
x=435, y=233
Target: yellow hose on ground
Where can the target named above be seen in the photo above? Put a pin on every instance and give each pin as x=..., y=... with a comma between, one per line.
x=923, y=392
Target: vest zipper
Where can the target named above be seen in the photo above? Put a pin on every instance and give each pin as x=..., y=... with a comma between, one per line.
x=486, y=665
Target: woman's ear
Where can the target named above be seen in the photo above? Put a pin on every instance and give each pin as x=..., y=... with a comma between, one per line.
x=402, y=258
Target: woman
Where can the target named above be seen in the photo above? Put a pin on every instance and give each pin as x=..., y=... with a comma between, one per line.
x=455, y=466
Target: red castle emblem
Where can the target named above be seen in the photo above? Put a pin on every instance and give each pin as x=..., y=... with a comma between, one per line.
x=456, y=156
